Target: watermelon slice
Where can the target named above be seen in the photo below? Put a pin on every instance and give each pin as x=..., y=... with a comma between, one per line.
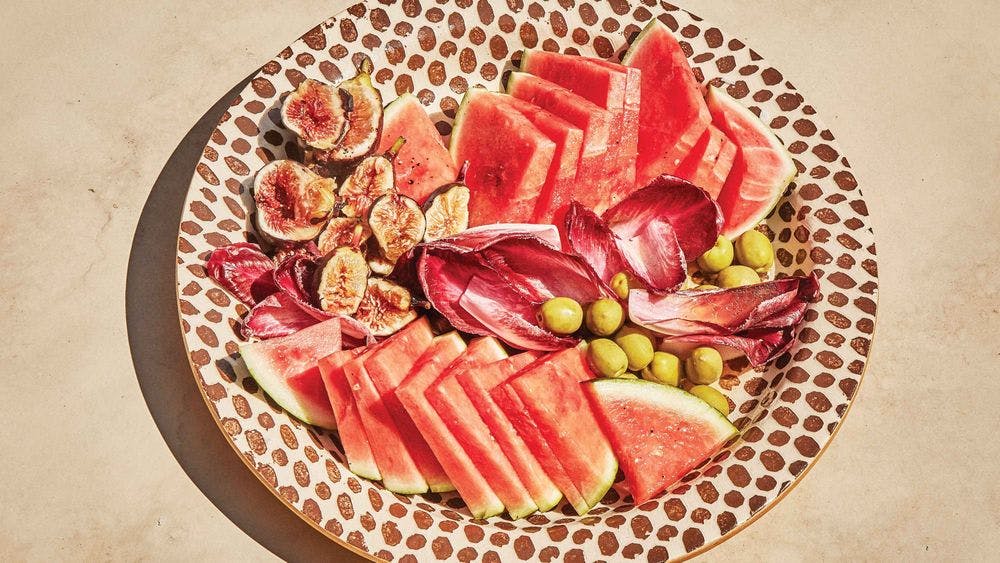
x=476, y=383
x=459, y=413
x=673, y=115
x=562, y=171
x=424, y=163
x=387, y=367
x=287, y=370
x=594, y=121
x=509, y=160
x=658, y=432
x=709, y=162
x=762, y=168
x=463, y=471
x=553, y=398
x=357, y=449
x=611, y=87
x=399, y=472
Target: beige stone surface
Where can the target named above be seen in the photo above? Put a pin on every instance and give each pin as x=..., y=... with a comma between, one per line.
x=108, y=451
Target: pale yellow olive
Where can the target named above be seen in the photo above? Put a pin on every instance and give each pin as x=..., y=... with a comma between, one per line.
x=619, y=284
x=607, y=358
x=638, y=348
x=629, y=328
x=754, y=250
x=561, y=315
x=710, y=395
x=665, y=368
x=737, y=276
x=605, y=317
x=703, y=366
x=706, y=287
x=718, y=257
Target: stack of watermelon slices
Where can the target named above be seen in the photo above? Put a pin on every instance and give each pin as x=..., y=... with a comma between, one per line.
x=513, y=434
x=573, y=127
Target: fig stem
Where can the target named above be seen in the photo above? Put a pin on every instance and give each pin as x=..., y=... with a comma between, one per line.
x=462, y=172
x=395, y=148
x=366, y=66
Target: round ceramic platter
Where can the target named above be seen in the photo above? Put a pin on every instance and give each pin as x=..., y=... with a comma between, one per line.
x=788, y=412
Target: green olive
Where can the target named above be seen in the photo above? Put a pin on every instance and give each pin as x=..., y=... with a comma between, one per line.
x=639, y=349
x=619, y=284
x=711, y=396
x=665, y=368
x=703, y=366
x=562, y=315
x=737, y=276
x=706, y=287
x=628, y=375
x=605, y=317
x=717, y=257
x=754, y=250
x=630, y=328
x=607, y=358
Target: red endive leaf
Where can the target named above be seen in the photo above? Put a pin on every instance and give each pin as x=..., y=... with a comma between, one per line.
x=510, y=319
x=759, y=345
x=295, y=277
x=478, y=237
x=654, y=257
x=695, y=217
x=444, y=273
x=243, y=270
x=277, y=315
x=591, y=239
x=542, y=272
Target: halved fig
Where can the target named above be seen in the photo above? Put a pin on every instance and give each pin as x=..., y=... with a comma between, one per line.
x=343, y=231
x=293, y=202
x=397, y=223
x=342, y=281
x=377, y=263
x=363, y=108
x=370, y=180
x=386, y=307
x=317, y=113
x=447, y=209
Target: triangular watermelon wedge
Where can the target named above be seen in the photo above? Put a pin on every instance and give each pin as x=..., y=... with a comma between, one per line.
x=709, y=162
x=658, y=432
x=287, y=370
x=423, y=164
x=461, y=469
x=353, y=438
x=458, y=411
x=387, y=367
x=673, y=115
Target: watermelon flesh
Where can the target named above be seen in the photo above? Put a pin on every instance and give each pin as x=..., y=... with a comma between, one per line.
x=458, y=411
x=761, y=170
x=509, y=160
x=673, y=114
x=399, y=472
x=353, y=438
x=424, y=163
x=709, y=162
x=286, y=368
x=658, y=432
x=562, y=171
x=477, y=382
x=608, y=86
x=553, y=398
x=461, y=470
x=387, y=367
x=594, y=121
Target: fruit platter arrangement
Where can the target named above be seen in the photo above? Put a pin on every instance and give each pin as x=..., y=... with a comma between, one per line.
x=538, y=307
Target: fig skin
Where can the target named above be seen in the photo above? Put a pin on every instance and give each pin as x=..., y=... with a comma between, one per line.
x=342, y=231
x=316, y=113
x=342, y=281
x=386, y=307
x=397, y=223
x=293, y=202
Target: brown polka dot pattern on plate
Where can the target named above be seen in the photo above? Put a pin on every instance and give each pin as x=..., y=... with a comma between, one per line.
x=437, y=50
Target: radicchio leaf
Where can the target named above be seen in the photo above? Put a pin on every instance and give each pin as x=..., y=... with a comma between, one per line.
x=694, y=215
x=542, y=272
x=277, y=315
x=244, y=270
x=476, y=238
x=511, y=320
x=295, y=277
x=759, y=345
x=590, y=238
x=444, y=274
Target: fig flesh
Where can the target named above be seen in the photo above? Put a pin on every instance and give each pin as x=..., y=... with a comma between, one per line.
x=362, y=105
x=397, y=223
x=377, y=263
x=342, y=231
x=447, y=210
x=316, y=112
x=293, y=202
x=372, y=179
x=342, y=281
x=386, y=307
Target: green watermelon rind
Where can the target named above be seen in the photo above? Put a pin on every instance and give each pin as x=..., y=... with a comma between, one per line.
x=716, y=96
x=655, y=24
x=268, y=379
